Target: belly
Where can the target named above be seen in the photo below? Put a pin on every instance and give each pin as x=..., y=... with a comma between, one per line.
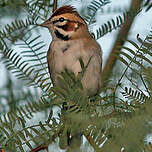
x=70, y=60
x=67, y=61
x=91, y=79
x=73, y=66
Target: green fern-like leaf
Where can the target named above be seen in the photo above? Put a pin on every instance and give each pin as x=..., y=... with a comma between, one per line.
x=34, y=54
x=20, y=68
x=24, y=112
x=16, y=25
x=148, y=5
x=137, y=55
x=134, y=96
x=114, y=24
x=38, y=8
x=93, y=8
x=36, y=74
x=22, y=139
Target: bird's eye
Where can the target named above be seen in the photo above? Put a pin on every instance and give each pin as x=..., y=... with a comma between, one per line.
x=61, y=19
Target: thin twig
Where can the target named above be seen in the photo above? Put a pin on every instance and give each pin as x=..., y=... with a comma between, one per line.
x=45, y=145
x=142, y=79
x=134, y=84
x=37, y=149
x=92, y=143
x=119, y=81
x=54, y=6
x=122, y=35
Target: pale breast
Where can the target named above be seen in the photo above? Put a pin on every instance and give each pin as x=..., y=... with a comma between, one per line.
x=67, y=56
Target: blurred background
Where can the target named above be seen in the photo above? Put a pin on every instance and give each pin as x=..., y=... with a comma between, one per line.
x=11, y=89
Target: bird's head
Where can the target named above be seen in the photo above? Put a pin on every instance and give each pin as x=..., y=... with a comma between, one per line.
x=65, y=23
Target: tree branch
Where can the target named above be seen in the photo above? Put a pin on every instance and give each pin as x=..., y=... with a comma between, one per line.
x=92, y=143
x=122, y=35
x=37, y=149
x=45, y=145
x=54, y=5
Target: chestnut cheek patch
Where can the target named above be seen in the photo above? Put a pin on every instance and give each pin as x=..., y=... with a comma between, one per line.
x=67, y=27
x=70, y=26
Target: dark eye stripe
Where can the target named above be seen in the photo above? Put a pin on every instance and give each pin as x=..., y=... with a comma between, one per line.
x=55, y=21
x=60, y=20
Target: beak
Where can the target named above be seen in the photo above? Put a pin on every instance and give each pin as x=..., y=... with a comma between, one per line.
x=45, y=24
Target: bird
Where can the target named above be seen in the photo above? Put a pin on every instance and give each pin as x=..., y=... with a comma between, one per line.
x=71, y=41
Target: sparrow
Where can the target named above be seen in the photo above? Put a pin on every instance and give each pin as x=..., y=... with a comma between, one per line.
x=71, y=41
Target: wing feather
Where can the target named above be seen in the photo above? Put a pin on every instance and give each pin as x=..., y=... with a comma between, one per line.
x=51, y=63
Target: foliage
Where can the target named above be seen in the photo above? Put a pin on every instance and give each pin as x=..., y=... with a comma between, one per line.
x=93, y=8
x=118, y=117
x=148, y=5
